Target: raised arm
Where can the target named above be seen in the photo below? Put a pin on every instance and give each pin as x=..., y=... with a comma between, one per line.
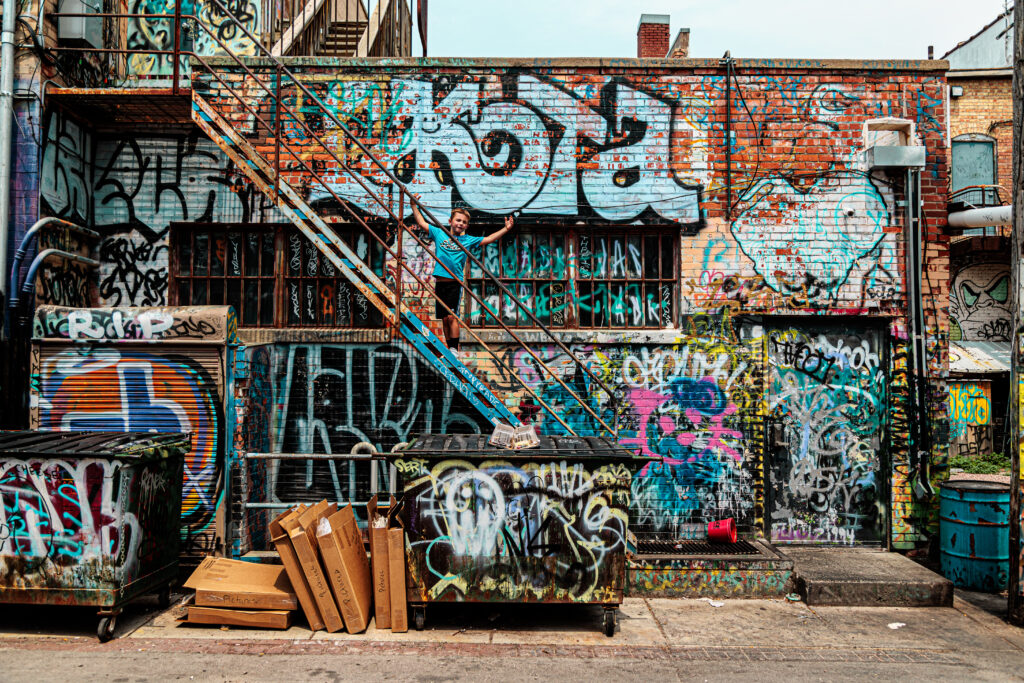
x=497, y=235
x=418, y=217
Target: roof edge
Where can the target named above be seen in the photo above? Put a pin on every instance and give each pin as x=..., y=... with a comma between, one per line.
x=930, y=65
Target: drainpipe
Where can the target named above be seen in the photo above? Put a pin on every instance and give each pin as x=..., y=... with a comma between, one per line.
x=6, y=117
x=981, y=218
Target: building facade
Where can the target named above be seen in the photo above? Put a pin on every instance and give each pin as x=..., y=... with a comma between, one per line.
x=710, y=262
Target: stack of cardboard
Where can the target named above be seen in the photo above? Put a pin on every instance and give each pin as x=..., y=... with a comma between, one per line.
x=234, y=593
x=387, y=556
x=322, y=550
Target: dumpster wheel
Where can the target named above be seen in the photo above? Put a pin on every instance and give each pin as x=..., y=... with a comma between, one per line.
x=419, y=616
x=107, y=626
x=609, y=622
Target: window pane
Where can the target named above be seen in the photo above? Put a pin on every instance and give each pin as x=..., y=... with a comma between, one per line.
x=294, y=254
x=184, y=255
x=199, y=293
x=618, y=257
x=267, y=302
x=617, y=304
x=311, y=258
x=634, y=306
x=633, y=257
x=600, y=258
x=559, y=259
x=201, y=254
x=183, y=292
x=234, y=295
x=294, y=303
x=267, y=258
x=508, y=257
x=343, y=303
x=526, y=255
x=251, y=265
x=668, y=258
x=651, y=257
x=234, y=253
x=216, y=296
x=542, y=265
x=585, y=258
x=219, y=255
x=308, y=302
x=252, y=297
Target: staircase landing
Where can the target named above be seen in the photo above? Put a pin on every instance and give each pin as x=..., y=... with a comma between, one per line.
x=865, y=577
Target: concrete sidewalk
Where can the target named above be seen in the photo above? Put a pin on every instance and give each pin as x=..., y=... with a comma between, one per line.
x=743, y=637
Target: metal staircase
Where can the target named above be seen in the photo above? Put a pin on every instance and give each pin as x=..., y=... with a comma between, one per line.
x=223, y=105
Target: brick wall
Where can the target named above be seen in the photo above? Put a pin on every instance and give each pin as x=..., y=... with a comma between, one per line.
x=986, y=107
x=652, y=39
x=790, y=252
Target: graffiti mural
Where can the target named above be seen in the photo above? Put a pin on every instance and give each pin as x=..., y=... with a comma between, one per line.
x=524, y=143
x=979, y=303
x=827, y=410
x=329, y=397
x=122, y=389
x=151, y=325
x=217, y=32
x=82, y=523
x=970, y=417
x=502, y=531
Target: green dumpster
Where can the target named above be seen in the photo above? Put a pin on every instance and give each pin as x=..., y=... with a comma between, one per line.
x=542, y=525
x=89, y=518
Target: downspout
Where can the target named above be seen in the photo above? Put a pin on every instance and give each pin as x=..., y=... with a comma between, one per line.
x=6, y=118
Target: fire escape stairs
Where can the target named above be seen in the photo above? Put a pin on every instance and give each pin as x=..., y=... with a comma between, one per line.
x=320, y=234
x=215, y=109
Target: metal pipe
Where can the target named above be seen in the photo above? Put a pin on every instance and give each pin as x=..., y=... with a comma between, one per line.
x=313, y=456
x=981, y=218
x=6, y=119
x=19, y=253
x=30, y=277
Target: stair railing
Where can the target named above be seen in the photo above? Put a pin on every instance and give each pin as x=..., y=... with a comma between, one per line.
x=280, y=108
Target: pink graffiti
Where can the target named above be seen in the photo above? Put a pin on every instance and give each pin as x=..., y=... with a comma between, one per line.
x=706, y=427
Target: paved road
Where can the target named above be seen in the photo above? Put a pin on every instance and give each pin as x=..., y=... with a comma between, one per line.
x=761, y=640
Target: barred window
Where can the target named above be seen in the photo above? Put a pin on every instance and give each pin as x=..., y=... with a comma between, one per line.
x=271, y=274
x=579, y=278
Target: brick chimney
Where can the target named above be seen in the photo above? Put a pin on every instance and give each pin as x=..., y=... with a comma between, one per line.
x=681, y=45
x=652, y=36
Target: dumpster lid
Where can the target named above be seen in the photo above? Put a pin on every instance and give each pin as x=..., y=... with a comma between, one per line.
x=93, y=444
x=475, y=446
x=975, y=485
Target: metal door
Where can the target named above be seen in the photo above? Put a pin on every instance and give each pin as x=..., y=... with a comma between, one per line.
x=827, y=408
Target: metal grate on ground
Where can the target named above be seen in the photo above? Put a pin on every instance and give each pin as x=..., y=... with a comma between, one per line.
x=689, y=547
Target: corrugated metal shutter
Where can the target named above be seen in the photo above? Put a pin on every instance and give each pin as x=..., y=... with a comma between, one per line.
x=144, y=387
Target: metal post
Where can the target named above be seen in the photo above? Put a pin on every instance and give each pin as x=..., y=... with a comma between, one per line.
x=177, y=46
x=6, y=119
x=1015, y=606
x=277, y=131
x=398, y=267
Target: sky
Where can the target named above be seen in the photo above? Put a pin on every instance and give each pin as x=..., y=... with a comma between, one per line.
x=840, y=29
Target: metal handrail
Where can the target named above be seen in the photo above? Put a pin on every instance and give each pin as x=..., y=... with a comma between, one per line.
x=281, y=68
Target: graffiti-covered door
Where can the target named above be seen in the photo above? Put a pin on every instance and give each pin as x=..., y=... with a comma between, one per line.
x=827, y=408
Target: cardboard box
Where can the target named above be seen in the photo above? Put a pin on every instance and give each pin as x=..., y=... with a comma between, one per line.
x=269, y=618
x=396, y=565
x=301, y=532
x=220, y=582
x=293, y=567
x=377, y=522
x=341, y=547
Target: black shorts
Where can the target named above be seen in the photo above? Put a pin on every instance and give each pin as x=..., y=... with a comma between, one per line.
x=450, y=292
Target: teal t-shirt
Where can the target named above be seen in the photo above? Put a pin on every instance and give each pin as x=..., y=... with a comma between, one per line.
x=449, y=253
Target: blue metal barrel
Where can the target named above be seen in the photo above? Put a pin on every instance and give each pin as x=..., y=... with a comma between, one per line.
x=974, y=534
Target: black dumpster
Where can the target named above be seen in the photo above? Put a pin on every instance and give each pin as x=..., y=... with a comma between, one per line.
x=543, y=525
x=89, y=518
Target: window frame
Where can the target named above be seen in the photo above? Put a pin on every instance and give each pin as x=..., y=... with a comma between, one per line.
x=574, y=319
x=279, y=277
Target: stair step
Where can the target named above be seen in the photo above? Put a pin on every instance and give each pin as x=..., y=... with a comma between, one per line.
x=865, y=577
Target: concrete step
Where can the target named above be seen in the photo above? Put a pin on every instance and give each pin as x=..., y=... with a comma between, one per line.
x=865, y=577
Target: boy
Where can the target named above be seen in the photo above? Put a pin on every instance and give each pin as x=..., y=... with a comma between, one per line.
x=448, y=289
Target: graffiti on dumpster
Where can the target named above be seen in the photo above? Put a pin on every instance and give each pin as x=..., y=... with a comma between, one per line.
x=76, y=518
x=503, y=531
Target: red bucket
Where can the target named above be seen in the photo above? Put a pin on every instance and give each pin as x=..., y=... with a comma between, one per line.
x=722, y=531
